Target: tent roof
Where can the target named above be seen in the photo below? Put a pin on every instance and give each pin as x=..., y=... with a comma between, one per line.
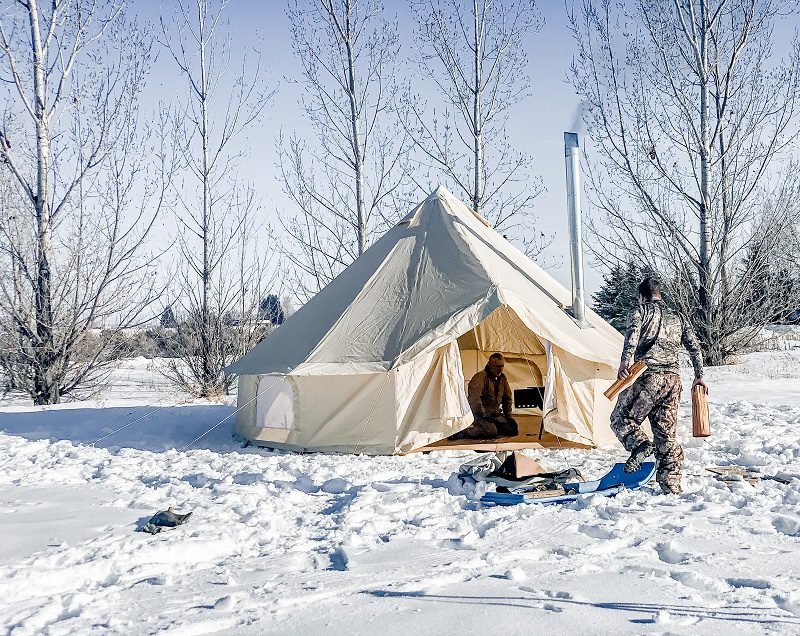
x=432, y=277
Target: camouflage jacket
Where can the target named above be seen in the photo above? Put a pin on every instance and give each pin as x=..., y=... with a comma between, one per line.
x=655, y=334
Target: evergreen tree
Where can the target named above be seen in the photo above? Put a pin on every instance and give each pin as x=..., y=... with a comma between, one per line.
x=271, y=309
x=776, y=286
x=619, y=293
x=168, y=318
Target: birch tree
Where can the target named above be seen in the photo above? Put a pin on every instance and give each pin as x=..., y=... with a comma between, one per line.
x=474, y=52
x=71, y=148
x=347, y=180
x=215, y=210
x=694, y=120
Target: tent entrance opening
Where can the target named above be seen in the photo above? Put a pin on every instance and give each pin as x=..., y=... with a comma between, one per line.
x=526, y=370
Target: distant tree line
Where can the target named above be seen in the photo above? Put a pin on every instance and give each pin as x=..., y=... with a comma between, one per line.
x=619, y=294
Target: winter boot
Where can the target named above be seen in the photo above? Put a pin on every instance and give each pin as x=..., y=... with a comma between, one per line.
x=638, y=455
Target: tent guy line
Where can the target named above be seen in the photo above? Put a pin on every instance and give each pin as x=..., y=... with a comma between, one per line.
x=122, y=428
x=227, y=417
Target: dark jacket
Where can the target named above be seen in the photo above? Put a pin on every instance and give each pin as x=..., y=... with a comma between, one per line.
x=656, y=335
x=489, y=395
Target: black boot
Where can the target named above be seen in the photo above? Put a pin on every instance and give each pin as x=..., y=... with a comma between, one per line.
x=638, y=455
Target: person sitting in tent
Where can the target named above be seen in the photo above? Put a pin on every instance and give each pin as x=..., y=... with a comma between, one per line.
x=490, y=399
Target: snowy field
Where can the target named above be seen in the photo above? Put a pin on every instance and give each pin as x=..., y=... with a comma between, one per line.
x=320, y=544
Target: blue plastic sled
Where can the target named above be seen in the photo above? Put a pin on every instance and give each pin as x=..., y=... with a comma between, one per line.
x=611, y=483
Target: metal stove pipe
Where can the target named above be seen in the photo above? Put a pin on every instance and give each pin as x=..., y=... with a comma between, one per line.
x=572, y=158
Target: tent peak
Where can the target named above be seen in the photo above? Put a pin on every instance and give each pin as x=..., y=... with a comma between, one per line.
x=440, y=193
x=443, y=193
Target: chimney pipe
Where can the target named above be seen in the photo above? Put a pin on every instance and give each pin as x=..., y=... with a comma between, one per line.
x=572, y=158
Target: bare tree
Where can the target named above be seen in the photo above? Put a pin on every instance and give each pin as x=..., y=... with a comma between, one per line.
x=239, y=283
x=693, y=119
x=214, y=208
x=477, y=54
x=346, y=185
x=71, y=72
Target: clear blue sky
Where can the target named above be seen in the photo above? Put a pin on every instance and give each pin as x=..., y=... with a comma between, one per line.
x=536, y=125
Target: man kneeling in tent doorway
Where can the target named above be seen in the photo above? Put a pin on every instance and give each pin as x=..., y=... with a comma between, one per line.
x=490, y=399
x=655, y=335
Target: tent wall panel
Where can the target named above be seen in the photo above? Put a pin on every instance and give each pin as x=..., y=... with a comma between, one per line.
x=431, y=403
x=346, y=413
x=578, y=385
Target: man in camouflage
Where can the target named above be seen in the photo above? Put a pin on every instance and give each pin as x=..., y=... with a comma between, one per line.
x=655, y=335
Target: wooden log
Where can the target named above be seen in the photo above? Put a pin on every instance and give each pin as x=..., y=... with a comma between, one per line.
x=621, y=384
x=701, y=425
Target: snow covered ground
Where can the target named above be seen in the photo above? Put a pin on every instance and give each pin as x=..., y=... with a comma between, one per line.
x=321, y=544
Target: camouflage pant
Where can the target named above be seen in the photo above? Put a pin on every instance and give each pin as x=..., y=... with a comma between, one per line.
x=654, y=396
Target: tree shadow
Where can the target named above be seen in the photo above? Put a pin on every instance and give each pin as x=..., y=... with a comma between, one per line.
x=149, y=427
x=735, y=613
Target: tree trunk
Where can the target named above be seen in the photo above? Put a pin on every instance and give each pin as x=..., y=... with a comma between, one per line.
x=477, y=196
x=46, y=386
x=358, y=151
x=205, y=336
x=725, y=236
x=704, y=264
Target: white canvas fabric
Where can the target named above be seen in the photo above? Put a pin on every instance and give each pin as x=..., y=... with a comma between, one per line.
x=275, y=403
x=378, y=360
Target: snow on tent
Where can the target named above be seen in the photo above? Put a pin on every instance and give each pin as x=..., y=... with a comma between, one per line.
x=376, y=362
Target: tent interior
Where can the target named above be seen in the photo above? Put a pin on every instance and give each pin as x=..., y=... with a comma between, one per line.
x=526, y=367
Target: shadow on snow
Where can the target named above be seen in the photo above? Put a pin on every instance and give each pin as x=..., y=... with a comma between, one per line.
x=150, y=428
x=736, y=613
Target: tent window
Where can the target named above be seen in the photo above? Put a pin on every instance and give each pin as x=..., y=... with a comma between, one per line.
x=275, y=404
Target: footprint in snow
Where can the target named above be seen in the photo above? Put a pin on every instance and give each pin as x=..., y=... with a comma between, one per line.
x=789, y=602
x=335, y=486
x=225, y=603
x=247, y=479
x=339, y=560
x=787, y=525
x=671, y=553
x=595, y=532
x=564, y=596
x=699, y=582
x=758, y=584
x=663, y=617
x=558, y=595
x=550, y=607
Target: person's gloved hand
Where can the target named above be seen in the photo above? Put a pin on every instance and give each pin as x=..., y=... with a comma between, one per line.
x=623, y=371
x=702, y=383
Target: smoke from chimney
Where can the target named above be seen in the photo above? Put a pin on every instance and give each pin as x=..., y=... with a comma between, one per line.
x=578, y=124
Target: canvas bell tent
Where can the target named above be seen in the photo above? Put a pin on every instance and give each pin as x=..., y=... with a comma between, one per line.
x=377, y=362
